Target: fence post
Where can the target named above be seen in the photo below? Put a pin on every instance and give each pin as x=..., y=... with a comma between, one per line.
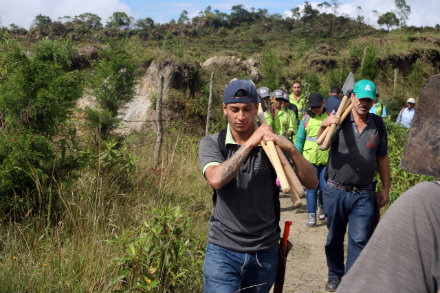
x=208, y=116
x=158, y=144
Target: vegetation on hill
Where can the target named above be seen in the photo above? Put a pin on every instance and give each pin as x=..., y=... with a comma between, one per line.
x=86, y=209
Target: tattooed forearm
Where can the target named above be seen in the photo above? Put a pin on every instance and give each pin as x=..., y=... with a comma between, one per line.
x=232, y=165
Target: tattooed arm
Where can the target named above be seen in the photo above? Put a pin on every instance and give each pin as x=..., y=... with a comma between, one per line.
x=220, y=175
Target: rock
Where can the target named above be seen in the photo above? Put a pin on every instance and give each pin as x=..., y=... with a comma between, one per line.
x=249, y=65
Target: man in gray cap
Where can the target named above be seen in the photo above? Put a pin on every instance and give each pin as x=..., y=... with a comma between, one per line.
x=243, y=234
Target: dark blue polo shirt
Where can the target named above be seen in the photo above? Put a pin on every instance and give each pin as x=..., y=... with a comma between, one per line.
x=332, y=104
x=352, y=157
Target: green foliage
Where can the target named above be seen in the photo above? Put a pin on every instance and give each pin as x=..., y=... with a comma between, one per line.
x=113, y=84
x=162, y=256
x=389, y=19
x=370, y=68
x=337, y=77
x=119, y=20
x=400, y=180
x=37, y=145
x=172, y=45
x=271, y=69
x=38, y=91
x=417, y=78
x=403, y=10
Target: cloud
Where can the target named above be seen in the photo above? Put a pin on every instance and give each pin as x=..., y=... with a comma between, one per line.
x=23, y=13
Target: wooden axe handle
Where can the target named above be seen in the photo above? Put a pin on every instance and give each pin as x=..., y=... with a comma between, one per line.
x=296, y=187
x=341, y=108
x=272, y=154
x=320, y=139
x=325, y=145
x=343, y=116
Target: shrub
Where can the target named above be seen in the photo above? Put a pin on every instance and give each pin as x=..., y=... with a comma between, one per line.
x=161, y=256
x=38, y=147
x=113, y=85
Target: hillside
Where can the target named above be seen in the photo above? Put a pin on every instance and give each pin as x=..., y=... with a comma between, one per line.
x=87, y=206
x=318, y=48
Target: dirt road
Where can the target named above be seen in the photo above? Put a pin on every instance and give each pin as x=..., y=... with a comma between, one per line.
x=306, y=269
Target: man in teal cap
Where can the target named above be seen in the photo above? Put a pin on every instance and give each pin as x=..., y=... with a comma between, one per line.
x=358, y=147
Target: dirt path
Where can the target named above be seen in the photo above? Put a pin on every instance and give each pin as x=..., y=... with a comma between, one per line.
x=306, y=269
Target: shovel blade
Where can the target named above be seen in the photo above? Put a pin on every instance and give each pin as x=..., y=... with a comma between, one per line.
x=348, y=84
x=422, y=149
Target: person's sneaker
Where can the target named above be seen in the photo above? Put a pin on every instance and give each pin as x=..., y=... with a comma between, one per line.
x=312, y=219
x=332, y=284
x=321, y=215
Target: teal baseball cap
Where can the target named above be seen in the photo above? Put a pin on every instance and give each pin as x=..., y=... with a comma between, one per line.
x=365, y=89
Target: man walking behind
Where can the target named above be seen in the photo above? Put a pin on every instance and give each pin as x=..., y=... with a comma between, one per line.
x=358, y=147
x=334, y=99
x=406, y=115
x=297, y=98
x=306, y=144
x=243, y=234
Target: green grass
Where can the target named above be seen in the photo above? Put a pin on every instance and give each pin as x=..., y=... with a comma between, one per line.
x=73, y=253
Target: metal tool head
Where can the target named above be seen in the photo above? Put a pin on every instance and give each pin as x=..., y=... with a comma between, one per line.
x=422, y=149
x=348, y=84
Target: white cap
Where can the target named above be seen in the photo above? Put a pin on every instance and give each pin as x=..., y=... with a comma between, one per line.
x=411, y=100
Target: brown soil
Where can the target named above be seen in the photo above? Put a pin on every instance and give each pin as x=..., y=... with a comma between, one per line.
x=306, y=268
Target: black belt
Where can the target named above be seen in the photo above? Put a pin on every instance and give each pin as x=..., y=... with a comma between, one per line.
x=349, y=188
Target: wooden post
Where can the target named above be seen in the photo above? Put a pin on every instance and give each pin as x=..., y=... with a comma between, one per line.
x=158, y=145
x=363, y=57
x=208, y=116
x=396, y=73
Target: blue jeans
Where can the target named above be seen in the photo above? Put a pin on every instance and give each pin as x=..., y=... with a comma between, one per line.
x=342, y=208
x=311, y=194
x=229, y=271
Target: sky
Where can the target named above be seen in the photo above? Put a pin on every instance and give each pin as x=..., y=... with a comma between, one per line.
x=23, y=12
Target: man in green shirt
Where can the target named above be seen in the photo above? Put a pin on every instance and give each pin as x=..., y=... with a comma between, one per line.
x=297, y=98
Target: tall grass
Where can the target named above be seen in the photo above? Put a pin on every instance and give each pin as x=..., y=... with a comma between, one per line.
x=73, y=252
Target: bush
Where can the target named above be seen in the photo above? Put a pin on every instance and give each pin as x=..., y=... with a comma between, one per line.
x=113, y=85
x=400, y=180
x=38, y=147
x=161, y=256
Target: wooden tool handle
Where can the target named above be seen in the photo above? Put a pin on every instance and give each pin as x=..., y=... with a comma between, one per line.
x=274, y=159
x=347, y=111
x=320, y=139
x=272, y=154
x=296, y=187
x=326, y=144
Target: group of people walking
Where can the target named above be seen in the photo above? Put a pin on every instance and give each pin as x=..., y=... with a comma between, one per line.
x=244, y=231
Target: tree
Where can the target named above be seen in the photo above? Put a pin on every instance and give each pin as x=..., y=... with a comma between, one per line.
x=120, y=20
x=389, y=19
x=183, y=19
x=113, y=85
x=308, y=11
x=145, y=24
x=403, y=11
x=239, y=15
x=359, y=18
x=37, y=146
x=90, y=20
x=42, y=24
x=296, y=13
